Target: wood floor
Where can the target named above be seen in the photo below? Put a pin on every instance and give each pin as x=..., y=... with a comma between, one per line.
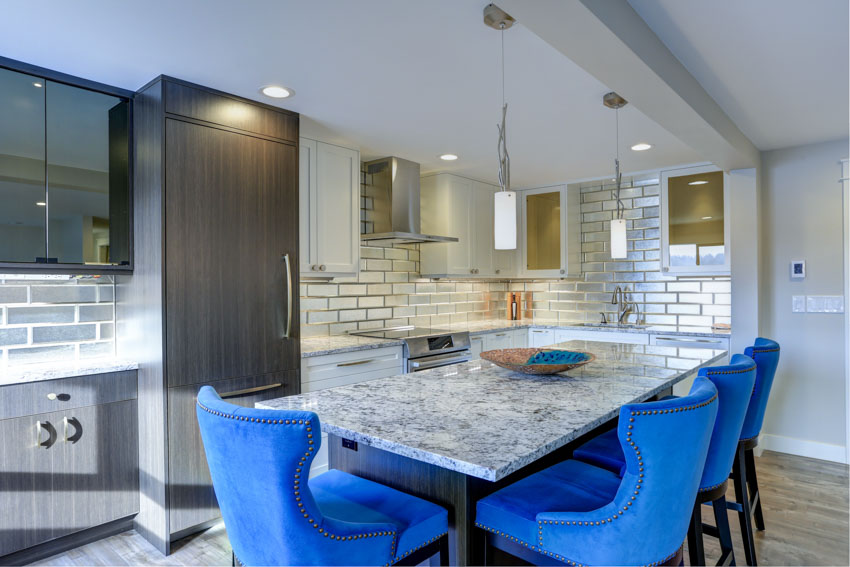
x=805, y=505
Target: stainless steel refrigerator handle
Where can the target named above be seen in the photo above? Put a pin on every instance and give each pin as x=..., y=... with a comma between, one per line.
x=288, y=333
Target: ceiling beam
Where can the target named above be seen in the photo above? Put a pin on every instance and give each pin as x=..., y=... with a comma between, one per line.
x=609, y=40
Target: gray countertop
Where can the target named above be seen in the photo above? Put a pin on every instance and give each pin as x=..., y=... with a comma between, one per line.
x=336, y=344
x=488, y=422
x=62, y=369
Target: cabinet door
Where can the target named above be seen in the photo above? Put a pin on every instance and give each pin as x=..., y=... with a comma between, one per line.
x=695, y=227
x=544, y=232
x=26, y=480
x=337, y=209
x=481, y=206
x=231, y=214
x=519, y=339
x=307, y=217
x=498, y=340
x=96, y=476
x=476, y=346
x=191, y=496
x=540, y=337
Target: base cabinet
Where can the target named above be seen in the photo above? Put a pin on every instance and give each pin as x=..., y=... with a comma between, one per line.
x=69, y=470
x=192, y=498
x=333, y=370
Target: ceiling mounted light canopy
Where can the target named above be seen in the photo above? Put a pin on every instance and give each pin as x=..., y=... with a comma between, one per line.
x=275, y=91
x=641, y=147
x=619, y=244
x=504, y=204
x=448, y=157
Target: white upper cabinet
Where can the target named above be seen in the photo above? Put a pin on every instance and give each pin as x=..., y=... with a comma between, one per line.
x=329, y=210
x=695, y=225
x=463, y=208
x=551, y=232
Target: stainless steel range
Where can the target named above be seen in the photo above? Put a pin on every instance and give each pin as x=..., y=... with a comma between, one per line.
x=426, y=348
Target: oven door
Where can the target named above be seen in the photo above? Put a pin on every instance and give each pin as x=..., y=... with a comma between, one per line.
x=438, y=360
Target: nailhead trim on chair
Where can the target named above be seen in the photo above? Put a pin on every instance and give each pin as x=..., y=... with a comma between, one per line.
x=742, y=371
x=418, y=547
x=637, y=485
x=297, y=477
x=707, y=488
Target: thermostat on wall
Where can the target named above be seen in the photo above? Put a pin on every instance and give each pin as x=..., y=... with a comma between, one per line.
x=798, y=269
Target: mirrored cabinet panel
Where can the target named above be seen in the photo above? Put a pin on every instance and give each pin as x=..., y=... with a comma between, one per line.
x=695, y=227
x=22, y=168
x=64, y=174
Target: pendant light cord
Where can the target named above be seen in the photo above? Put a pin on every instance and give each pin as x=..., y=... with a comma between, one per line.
x=502, y=146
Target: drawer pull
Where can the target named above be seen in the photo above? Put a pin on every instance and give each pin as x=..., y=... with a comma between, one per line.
x=687, y=340
x=356, y=362
x=500, y=334
x=51, y=434
x=235, y=393
x=78, y=429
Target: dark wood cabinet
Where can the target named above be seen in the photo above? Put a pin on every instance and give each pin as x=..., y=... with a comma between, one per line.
x=228, y=229
x=66, y=471
x=211, y=300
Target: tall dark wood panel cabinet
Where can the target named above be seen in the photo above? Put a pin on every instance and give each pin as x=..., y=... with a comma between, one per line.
x=214, y=296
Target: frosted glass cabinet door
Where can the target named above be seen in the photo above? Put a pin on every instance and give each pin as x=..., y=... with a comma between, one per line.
x=544, y=232
x=695, y=225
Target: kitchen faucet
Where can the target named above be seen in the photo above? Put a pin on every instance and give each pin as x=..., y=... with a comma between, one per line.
x=618, y=298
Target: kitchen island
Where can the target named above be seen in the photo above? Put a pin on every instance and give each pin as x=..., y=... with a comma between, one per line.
x=455, y=434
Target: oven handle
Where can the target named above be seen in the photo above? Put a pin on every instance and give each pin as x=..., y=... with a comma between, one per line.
x=437, y=361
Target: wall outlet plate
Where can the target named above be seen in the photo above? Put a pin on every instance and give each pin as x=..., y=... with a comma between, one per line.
x=825, y=304
x=798, y=304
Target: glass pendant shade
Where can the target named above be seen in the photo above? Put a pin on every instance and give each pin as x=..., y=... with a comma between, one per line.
x=618, y=239
x=505, y=220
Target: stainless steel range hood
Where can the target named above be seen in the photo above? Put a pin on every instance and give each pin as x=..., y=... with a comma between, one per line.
x=394, y=194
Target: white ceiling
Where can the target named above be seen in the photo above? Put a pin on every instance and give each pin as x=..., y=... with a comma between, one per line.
x=778, y=68
x=413, y=80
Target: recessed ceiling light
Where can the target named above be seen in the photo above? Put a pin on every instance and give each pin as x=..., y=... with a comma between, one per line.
x=707, y=218
x=37, y=85
x=277, y=92
x=641, y=147
x=699, y=182
x=448, y=157
x=41, y=204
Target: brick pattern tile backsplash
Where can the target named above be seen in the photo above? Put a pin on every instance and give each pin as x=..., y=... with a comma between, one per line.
x=55, y=318
x=389, y=291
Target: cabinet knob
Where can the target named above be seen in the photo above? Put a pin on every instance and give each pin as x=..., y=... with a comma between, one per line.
x=322, y=268
x=51, y=396
x=314, y=267
x=665, y=268
x=472, y=271
x=498, y=271
x=563, y=271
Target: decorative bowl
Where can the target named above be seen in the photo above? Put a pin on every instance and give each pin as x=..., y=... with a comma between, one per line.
x=537, y=360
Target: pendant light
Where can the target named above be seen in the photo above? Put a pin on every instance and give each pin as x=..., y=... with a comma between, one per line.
x=504, y=205
x=618, y=225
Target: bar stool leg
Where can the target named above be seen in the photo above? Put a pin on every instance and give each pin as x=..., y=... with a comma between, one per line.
x=724, y=532
x=696, y=550
x=744, y=515
x=753, y=485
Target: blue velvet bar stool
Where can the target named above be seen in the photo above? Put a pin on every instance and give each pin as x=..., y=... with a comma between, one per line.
x=734, y=384
x=747, y=498
x=578, y=514
x=259, y=462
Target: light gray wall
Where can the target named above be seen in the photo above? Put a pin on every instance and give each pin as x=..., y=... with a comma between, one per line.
x=802, y=218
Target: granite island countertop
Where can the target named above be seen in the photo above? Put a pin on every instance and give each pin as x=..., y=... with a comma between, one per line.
x=36, y=372
x=487, y=422
x=336, y=344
